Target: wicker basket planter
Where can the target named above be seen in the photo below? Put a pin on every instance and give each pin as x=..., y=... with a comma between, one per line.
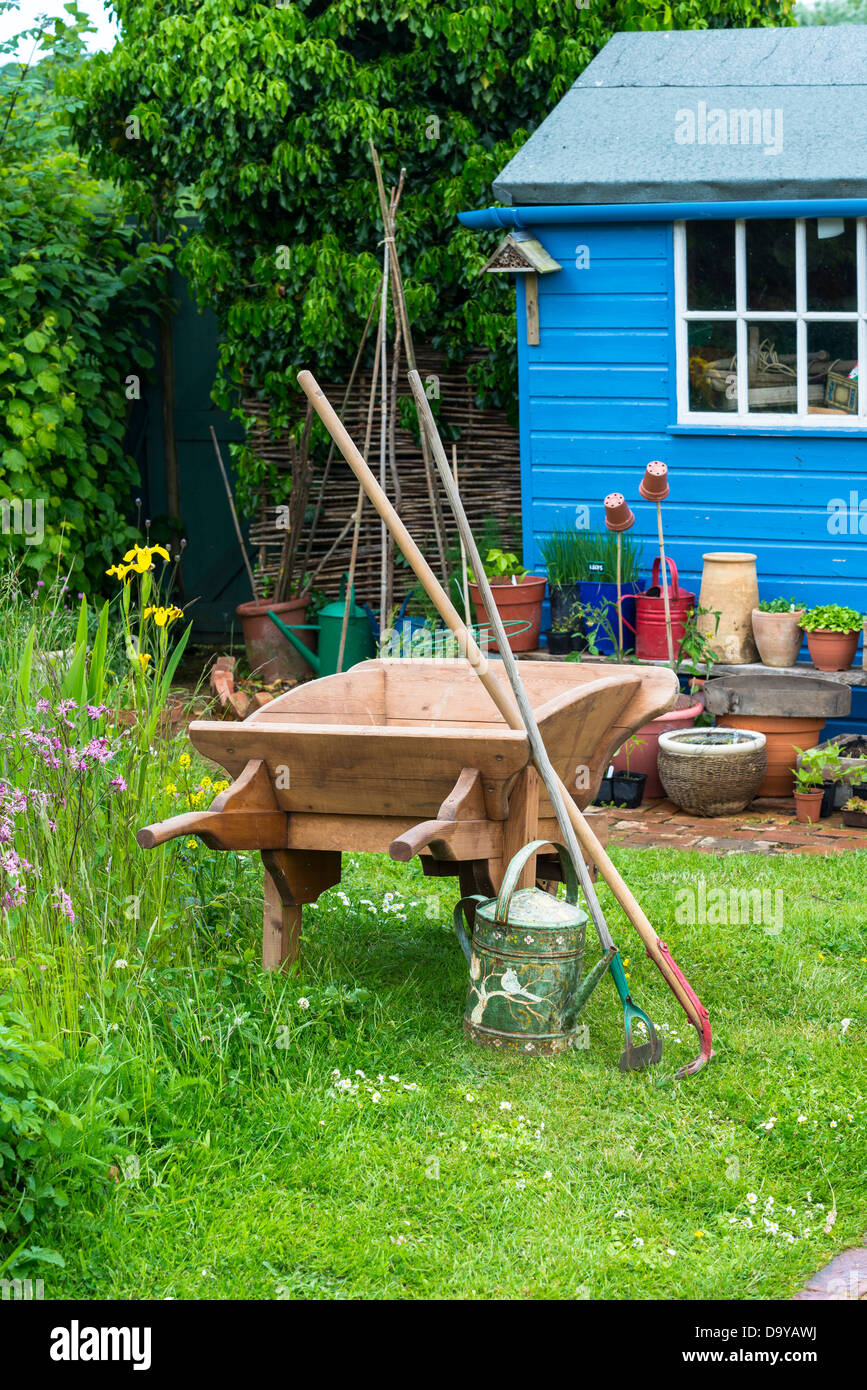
x=712, y=772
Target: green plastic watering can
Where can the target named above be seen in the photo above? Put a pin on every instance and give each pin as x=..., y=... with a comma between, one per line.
x=359, y=644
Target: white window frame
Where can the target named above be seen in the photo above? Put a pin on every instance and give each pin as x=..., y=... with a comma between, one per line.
x=801, y=316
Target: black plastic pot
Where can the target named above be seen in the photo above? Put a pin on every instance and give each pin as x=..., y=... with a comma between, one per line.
x=605, y=795
x=559, y=643
x=828, y=794
x=563, y=600
x=628, y=789
x=578, y=641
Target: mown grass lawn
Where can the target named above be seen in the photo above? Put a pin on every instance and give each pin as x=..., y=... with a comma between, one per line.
x=446, y=1170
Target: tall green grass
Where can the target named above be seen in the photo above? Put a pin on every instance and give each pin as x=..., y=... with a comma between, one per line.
x=567, y=555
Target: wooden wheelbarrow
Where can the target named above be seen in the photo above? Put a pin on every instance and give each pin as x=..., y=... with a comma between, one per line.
x=407, y=757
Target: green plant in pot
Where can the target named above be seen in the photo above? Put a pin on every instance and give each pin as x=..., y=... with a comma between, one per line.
x=777, y=630
x=810, y=774
x=832, y=635
x=855, y=811
x=563, y=557
x=560, y=635
x=599, y=584
x=628, y=787
x=518, y=596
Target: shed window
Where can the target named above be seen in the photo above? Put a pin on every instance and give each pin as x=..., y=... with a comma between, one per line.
x=771, y=321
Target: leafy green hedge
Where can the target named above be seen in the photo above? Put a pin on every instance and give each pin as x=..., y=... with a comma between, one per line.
x=259, y=115
x=76, y=285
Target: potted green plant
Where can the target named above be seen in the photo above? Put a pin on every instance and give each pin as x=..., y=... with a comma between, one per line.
x=518, y=596
x=832, y=635
x=562, y=555
x=567, y=632
x=855, y=812
x=809, y=784
x=833, y=771
x=777, y=630
x=598, y=586
x=628, y=787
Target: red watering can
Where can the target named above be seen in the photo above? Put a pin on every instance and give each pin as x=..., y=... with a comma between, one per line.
x=650, y=639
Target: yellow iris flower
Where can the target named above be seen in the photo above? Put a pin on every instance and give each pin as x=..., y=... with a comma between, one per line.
x=164, y=617
x=143, y=658
x=138, y=560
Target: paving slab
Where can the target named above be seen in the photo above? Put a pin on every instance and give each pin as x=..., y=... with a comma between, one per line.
x=844, y=1279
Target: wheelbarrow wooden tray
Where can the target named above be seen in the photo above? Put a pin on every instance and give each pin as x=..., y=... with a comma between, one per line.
x=409, y=757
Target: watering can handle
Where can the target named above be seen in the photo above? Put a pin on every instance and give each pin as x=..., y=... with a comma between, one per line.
x=460, y=929
x=673, y=588
x=513, y=873
x=626, y=622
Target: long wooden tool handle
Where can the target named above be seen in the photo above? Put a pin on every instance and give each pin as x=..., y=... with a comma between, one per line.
x=504, y=700
x=573, y=825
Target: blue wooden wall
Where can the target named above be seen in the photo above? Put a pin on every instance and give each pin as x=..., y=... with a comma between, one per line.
x=598, y=402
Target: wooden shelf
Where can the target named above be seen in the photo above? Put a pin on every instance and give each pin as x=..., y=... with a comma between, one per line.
x=855, y=676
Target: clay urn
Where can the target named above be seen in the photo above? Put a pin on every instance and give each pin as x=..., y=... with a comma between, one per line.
x=654, y=485
x=618, y=514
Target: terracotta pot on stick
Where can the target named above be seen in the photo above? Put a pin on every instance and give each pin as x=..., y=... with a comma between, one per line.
x=654, y=488
x=618, y=518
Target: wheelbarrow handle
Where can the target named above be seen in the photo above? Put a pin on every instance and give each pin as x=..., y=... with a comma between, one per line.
x=239, y=830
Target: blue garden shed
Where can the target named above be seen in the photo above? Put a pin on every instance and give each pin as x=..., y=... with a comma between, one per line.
x=704, y=197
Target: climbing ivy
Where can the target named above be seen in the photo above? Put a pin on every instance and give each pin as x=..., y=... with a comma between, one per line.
x=75, y=285
x=256, y=116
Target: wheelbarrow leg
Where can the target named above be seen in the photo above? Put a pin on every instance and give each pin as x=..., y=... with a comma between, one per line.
x=292, y=877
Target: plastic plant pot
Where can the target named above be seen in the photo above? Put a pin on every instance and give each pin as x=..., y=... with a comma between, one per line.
x=808, y=806
x=618, y=514
x=559, y=643
x=627, y=789
x=654, y=485
x=605, y=794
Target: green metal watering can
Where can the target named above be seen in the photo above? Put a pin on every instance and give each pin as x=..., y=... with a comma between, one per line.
x=525, y=959
x=359, y=645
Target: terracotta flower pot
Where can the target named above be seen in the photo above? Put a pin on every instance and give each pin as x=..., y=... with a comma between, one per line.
x=729, y=587
x=654, y=485
x=519, y=602
x=783, y=737
x=832, y=651
x=618, y=514
x=778, y=636
x=268, y=652
x=809, y=805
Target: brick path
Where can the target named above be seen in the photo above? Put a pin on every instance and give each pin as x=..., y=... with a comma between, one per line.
x=768, y=826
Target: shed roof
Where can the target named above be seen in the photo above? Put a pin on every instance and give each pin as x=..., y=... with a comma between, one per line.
x=707, y=115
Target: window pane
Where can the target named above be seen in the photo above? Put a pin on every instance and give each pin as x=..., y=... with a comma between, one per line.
x=831, y=264
x=770, y=264
x=710, y=265
x=712, y=366
x=833, y=347
x=773, y=383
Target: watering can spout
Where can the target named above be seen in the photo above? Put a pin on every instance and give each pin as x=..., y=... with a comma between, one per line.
x=293, y=637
